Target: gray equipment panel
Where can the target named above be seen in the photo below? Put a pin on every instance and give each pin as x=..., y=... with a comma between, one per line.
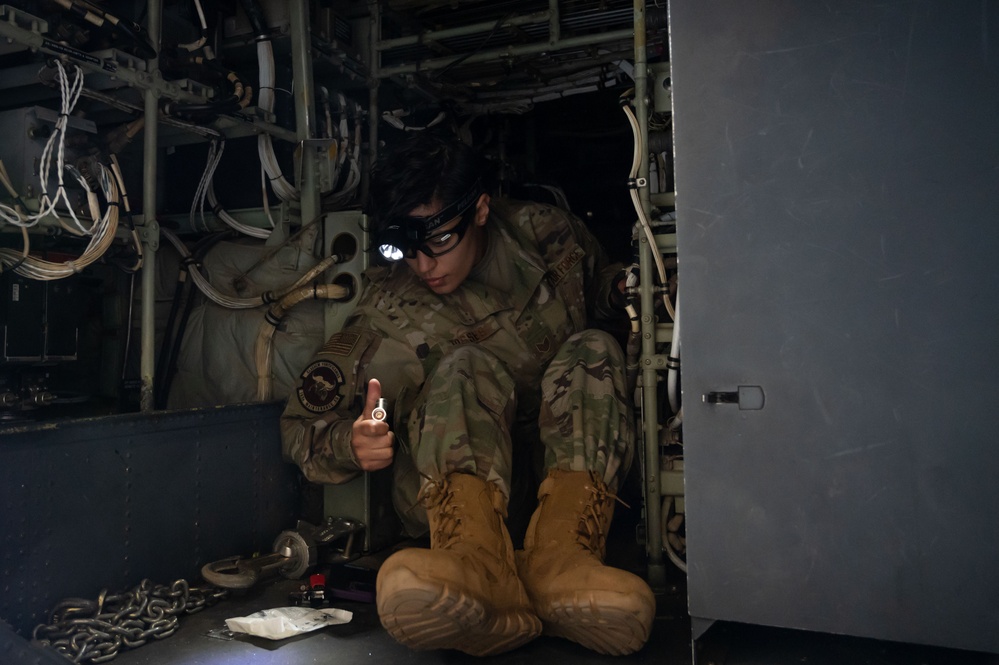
x=837, y=207
x=105, y=502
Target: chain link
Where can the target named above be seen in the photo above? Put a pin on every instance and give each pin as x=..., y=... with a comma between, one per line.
x=94, y=631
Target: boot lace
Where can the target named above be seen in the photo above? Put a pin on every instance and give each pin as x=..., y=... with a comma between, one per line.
x=591, y=530
x=438, y=494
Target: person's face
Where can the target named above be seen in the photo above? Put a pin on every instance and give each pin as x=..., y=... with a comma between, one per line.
x=445, y=273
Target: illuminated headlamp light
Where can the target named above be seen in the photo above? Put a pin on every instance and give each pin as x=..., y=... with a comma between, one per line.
x=397, y=242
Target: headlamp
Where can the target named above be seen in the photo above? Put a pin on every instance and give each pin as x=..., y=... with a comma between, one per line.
x=403, y=237
x=395, y=241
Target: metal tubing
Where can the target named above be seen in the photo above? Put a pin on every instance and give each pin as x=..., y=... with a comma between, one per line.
x=507, y=52
x=485, y=26
x=147, y=360
x=650, y=375
x=301, y=67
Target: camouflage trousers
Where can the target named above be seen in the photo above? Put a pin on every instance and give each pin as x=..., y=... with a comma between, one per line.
x=470, y=418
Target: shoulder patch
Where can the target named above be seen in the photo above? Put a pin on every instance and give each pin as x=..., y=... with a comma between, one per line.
x=319, y=390
x=341, y=344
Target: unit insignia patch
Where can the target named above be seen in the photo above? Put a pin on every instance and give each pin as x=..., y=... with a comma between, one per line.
x=320, y=388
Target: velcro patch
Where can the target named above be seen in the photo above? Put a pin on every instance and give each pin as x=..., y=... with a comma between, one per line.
x=565, y=264
x=474, y=335
x=320, y=388
x=341, y=344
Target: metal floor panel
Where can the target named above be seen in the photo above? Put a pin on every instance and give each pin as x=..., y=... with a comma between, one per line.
x=364, y=640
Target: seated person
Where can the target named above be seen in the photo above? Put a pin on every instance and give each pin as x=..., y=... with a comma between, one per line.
x=476, y=336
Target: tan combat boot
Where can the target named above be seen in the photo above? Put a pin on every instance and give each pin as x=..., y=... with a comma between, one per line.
x=463, y=593
x=573, y=592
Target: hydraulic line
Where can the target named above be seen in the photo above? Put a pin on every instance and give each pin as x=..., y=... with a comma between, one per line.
x=230, y=302
x=265, y=339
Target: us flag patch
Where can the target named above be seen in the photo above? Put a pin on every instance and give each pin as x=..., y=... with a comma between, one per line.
x=341, y=344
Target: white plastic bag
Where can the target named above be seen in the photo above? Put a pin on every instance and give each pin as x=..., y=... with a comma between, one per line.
x=282, y=622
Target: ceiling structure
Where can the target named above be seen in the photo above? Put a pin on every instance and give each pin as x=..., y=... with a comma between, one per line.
x=506, y=55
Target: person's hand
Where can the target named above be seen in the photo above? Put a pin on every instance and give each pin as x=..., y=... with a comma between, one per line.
x=619, y=290
x=370, y=439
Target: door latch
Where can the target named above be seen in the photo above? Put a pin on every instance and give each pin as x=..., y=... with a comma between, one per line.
x=749, y=398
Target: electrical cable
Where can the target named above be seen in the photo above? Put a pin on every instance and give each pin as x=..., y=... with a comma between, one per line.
x=102, y=236
x=204, y=285
x=230, y=302
x=232, y=222
x=69, y=95
x=349, y=153
x=166, y=367
x=195, y=45
x=97, y=17
x=238, y=99
x=55, y=145
x=673, y=362
x=136, y=241
x=633, y=346
x=643, y=218
x=128, y=326
x=670, y=548
x=265, y=145
x=215, y=150
x=170, y=333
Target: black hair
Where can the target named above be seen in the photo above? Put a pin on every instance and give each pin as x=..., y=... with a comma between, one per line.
x=426, y=167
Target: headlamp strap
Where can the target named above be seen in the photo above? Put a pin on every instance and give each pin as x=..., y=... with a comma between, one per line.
x=451, y=210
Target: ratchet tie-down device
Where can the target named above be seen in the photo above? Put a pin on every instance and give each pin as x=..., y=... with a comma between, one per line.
x=295, y=552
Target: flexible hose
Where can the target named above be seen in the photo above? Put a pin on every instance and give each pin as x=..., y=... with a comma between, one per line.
x=671, y=552
x=232, y=222
x=645, y=223
x=633, y=347
x=255, y=14
x=643, y=218
x=265, y=338
x=673, y=362
x=204, y=285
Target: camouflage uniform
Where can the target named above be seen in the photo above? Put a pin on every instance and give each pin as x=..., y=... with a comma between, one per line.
x=476, y=375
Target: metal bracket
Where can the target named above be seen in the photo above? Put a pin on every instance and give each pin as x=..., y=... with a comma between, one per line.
x=149, y=233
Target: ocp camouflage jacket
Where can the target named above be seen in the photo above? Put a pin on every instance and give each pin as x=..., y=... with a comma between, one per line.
x=400, y=330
